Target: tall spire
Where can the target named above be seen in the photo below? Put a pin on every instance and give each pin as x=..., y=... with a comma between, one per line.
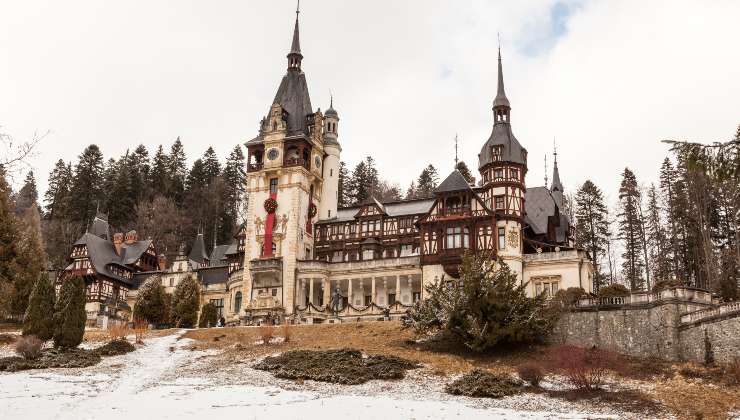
x=295, y=56
x=501, y=99
x=556, y=184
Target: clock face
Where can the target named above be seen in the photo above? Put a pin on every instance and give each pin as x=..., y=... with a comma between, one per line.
x=272, y=154
x=317, y=161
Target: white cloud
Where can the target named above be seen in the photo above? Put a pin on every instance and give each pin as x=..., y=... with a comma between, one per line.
x=406, y=77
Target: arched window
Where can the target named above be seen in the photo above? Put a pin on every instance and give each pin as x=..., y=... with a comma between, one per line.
x=237, y=302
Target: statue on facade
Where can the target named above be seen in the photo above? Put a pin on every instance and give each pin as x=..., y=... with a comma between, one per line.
x=336, y=298
x=258, y=225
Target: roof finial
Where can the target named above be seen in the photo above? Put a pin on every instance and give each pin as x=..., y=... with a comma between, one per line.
x=555, y=151
x=545, y=170
x=297, y=8
x=331, y=100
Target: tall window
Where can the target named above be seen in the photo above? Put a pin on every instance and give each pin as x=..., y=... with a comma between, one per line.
x=498, y=174
x=219, y=304
x=273, y=185
x=514, y=174
x=453, y=237
x=237, y=302
x=498, y=202
x=497, y=152
x=501, y=238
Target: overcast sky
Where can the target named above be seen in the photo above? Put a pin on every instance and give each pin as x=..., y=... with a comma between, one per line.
x=607, y=79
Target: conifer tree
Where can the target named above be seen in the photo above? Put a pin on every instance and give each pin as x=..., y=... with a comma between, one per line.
x=39, y=318
x=69, y=314
x=208, y=316
x=343, y=192
x=411, y=192
x=150, y=302
x=8, y=235
x=211, y=165
x=159, y=177
x=630, y=230
x=427, y=181
x=656, y=238
x=234, y=179
x=28, y=195
x=592, y=226
x=87, y=187
x=140, y=170
x=185, y=303
x=121, y=196
x=31, y=258
x=359, y=185
x=465, y=171
x=177, y=170
x=57, y=194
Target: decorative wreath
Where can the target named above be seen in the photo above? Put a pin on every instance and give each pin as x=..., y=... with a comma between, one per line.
x=312, y=210
x=271, y=205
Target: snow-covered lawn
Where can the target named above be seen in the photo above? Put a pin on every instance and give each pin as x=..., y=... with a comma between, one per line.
x=148, y=384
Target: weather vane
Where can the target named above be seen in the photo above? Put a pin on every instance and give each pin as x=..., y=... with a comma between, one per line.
x=455, y=150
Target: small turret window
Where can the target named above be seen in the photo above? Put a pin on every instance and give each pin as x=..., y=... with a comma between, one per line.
x=498, y=174
x=514, y=174
x=497, y=153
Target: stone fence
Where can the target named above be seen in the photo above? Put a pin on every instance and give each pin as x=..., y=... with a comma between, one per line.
x=675, y=324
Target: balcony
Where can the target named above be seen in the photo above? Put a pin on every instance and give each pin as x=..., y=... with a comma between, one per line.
x=296, y=162
x=266, y=264
x=254, y=167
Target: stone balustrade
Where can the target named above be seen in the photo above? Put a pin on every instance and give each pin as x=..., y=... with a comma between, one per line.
x=686, y=294
x=702, y=314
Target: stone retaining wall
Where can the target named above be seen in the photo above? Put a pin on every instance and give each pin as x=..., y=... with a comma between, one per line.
x=655, y=329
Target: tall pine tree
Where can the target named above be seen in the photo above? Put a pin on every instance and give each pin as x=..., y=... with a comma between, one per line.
x=592, y=226
x=427, y=181
x=87, y=186
x=630, y=231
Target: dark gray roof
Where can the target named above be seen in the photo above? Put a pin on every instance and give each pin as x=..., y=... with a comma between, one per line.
x=218, y=254
x=213, y=275
x=103, y=253
x=455, y=181
x=99, y=226
x=393, y=209
x=503, y=136
x=293, y=96
x=198, y=251
x=539, y=205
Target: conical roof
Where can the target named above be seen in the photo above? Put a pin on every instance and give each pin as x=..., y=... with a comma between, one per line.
x=501, y=99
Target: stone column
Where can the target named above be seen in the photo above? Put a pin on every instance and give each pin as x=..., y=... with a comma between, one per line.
x=349, y=292
x=327, y=292
x=373, y=298
x=310, y=291
x=398, y=288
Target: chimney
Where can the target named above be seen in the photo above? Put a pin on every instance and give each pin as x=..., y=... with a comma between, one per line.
x=117, y=242
x=131, y=237
x=162, y=262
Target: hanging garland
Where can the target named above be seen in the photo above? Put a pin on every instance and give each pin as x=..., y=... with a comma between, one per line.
x=271, y=205
x=312, y=210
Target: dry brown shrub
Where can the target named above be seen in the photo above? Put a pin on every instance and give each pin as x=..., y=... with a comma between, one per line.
x=118, y=331
x=531, y=373
x=287, y=330
x=140, y=327
x=732, y=372
x=29, y=347
x=267, y=330
x=585, y=369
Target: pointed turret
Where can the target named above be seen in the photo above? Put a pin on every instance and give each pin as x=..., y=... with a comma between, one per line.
x=295, y=56
x=501, y=99
x=556, y=188
x=502, y=145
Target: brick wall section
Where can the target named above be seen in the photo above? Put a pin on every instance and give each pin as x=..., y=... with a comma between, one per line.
x=652, y=330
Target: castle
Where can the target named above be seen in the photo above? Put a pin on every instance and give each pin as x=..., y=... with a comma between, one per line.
x=297, y=249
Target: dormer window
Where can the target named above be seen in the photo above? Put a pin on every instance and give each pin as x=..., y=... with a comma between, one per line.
x=497, y=153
